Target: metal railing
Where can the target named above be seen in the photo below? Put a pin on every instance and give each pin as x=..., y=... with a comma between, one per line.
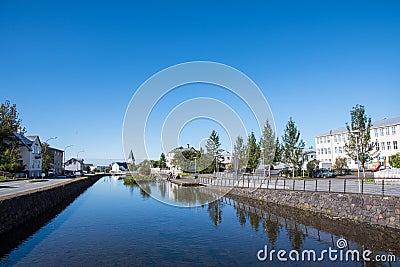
x=381, y=186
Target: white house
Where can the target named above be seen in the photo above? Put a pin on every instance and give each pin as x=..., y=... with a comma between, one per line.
x=385, y=134
x=170, y=155
x=75, y=165
x=31, y=154
x=117, y=167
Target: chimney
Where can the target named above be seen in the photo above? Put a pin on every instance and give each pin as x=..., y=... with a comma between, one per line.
x=188, y=145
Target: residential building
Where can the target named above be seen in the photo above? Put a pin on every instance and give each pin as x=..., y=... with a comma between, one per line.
x=75, y=165
x=308, y=155
x=385, y=136
x=117, y=167
x=170, y=155
x=57, y=157
x=31, y=154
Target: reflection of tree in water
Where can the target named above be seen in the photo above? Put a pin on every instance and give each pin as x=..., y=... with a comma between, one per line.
x=254, y=221
x=145, y=190
x=163, y=188
x=215, y=211
x=295, y=235
x=241, y=215
x=272, y=229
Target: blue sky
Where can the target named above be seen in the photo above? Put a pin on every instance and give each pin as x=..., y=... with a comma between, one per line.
x=73, y=67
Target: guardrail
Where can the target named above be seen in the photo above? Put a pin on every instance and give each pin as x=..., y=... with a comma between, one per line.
x=381, y=186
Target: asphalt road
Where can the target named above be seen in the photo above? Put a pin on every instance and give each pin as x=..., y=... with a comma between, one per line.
x=15, y=187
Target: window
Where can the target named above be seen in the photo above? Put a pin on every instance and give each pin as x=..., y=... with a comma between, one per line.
x=393, y=129
x=376, y=132
x=329, y=150
x=335, y=149
x=387, y=131
x=318, y=151
x=394, y=144
x=324, y=139
x=389, y=145
x=349, y=160
x=317, y=140
x=339, y=138
x=325, y=151
x=377, y=146
x=329, y=139
x=335, y=138
x=383, y=145
x=381, y=131
x=340, y=150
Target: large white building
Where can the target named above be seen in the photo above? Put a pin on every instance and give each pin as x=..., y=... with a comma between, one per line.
x=385, y=133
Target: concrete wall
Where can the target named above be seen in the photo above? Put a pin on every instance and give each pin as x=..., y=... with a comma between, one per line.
x=18, y=209
x=372, y=209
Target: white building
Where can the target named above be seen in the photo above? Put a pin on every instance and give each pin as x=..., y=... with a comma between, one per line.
x=385, y=133
x=170, y=155
x=308, y=155
x=74, y=165
x=119, y=167
x=31, y=154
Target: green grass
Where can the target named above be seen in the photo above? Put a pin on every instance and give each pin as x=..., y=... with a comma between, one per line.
x=3, y=178
x=132, y=180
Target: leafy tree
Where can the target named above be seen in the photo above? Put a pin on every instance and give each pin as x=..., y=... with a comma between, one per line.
x=163, y=161
x=154, y=163
x=205, y=162
x=267, y=145
x=213, y=149
x=341, y=165
x=312, y=165
x=46, y=158
x=87, y=169
x=292, y=145
x=278, y=151
x=9, y=144
x=394, y=160
x=359, y=137
x=144, y=167
x=184, y=159
x=253, y=151
x=240, y=151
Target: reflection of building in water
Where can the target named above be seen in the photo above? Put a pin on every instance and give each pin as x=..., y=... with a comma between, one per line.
x=189, y=196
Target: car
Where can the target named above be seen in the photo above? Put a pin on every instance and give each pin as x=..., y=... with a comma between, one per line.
x=246, y=170
x=69, y=174
x=323, y=173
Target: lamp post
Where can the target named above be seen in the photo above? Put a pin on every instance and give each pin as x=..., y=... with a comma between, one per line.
x=195, y=167
x=45, y=148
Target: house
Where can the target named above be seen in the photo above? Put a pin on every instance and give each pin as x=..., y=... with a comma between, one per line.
x=31, y=154
x=170, y=155
x=75, y=165
x=117, y=167
x=57, y=157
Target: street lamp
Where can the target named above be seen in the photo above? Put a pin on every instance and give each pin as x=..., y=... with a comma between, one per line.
x=195, y=167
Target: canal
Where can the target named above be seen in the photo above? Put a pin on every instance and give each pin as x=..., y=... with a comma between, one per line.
x=112, y=224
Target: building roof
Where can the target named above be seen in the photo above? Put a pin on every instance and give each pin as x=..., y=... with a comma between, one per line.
x=74, y=159
x=375, y=124
x=53, y=148
x=181, y=149
x=25, y=140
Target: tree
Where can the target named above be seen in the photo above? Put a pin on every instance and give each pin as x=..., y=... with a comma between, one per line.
x=253, y=151
x=87, y=169
x=9, y=144
x=268, y=145
x=163, y=161
x=340, y=165
x=292, y=145
x=312, y=165
x=185, y=160
x=144, y=167
x=394, y=160
x=240, y=151
x=46, y=158
x=213, y=148
x=278, y=151
x=359, y=137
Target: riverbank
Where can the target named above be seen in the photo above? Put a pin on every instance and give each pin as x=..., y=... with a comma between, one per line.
x=371, y=209
x=17, y=209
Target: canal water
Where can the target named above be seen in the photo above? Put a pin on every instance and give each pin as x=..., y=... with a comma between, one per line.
x=112, y=224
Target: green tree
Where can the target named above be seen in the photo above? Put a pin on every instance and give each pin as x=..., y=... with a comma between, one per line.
x=213, y=149
x=87, y=169
x=144, y=167
x=185, y=160
x=394, y=160
x=340, y=165
x=292, y=145
x=253, y=151
x=278, y=151
x=240, y=151
x=312, y=165
x=359, y=137
x=9, y=144
x=163, y=161
x=268, y=145
x=46, y=158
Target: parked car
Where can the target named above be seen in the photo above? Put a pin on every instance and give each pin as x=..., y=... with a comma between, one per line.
x=246, y=170
x=323, y=173
x=69, y=174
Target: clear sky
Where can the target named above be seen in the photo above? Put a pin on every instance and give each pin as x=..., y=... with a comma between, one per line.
x=72, y=66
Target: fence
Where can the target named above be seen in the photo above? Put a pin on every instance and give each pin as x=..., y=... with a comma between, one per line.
x=383, y=186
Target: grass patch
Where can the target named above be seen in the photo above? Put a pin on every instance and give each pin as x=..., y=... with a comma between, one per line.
x=3, y=178
x=133, y=180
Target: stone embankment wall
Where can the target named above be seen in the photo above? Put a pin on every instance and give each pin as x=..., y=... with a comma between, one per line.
x=20, y=208
x=372, y=209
